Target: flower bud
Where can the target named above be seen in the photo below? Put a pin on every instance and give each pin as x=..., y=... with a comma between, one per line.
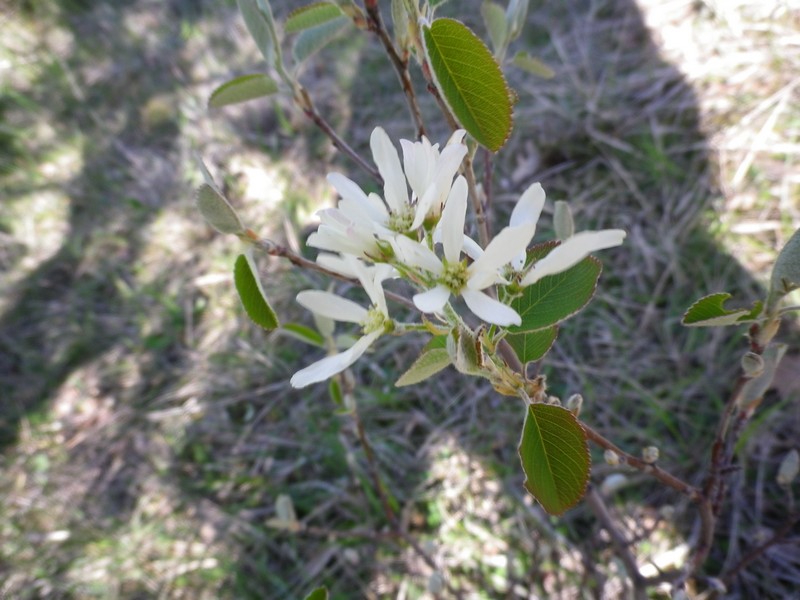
x=790, y=466
x=611, y=458
x=752, y=365
x=650, y=454
x=574, y=404
x=562, y=221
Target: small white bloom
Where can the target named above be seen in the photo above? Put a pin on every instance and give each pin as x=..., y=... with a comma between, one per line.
x=352, y=226
x=572, y=251
x=453, y=275
x=373, y=321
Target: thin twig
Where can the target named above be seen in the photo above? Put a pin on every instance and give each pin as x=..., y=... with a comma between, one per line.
x=477, y=204
x=663, y=476
x=274, y=249
x=400, y=64
x=306, y=104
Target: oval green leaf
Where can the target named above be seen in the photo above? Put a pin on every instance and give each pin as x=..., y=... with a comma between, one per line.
x=555, y=457
x=260, y=23
x=427, y=364
x=252, y=294
x=710, y=311
x=242, y=89
x=555, y=298
x=216, y=210
x=304, y=334
x=470, y=81
x=313, y=40
x=312, y=15
x=532, y=345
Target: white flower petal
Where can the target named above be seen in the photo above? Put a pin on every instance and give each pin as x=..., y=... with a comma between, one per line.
x=489, y=309
x=415, y=254
x=529, y=206
x=355, y=204
x=572, y=251
x=435, y=196
x=336, y=263
x=332, y=306
x=331, y=365
x=394, y=182
x=419, y=163
x=457, y=137
x=452, y=222
x=501, y=250
x=433, y=300
x=471, y=248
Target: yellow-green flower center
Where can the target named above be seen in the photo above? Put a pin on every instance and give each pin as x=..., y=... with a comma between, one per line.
x=455, y=276
x=375, y=321
x=401, y=221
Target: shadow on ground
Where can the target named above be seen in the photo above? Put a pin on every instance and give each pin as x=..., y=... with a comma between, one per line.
x=85, y=332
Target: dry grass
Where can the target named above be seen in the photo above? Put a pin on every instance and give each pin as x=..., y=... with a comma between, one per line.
x=148, y=429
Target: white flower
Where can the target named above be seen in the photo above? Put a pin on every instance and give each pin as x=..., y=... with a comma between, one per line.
x=374, y=321
x=454, y=276
x=572, y=251
x=352, y=226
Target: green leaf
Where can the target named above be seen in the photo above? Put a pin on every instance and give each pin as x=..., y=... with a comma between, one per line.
x=335, y=391
x=400, y=21
x=786, y=272
x=429, y=363
x=251, y=293
x=555, y=457
x=312, y=15
x=532, y=345
x=531, y=64
x=304, y=334
x=494, y=17
x=516, y=13
x=217, y=211
x=321, y=593
x=315, y=39
x=258, y=17
x=470, y=81
x=242, y=89
x=555, y=298
x=709, y=311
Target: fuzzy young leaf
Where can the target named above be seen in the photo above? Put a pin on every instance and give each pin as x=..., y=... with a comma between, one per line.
x=516, y=13
x=251, y=293
x=217, y=211
x=709, y=311
x=786, y=272
x=754, y=389
x=242, y=89
x=531, y=64
x=312, y=15
x=315, y=39
x=562, y=220
x=555, y=457
x=260, y=23
x=494, y=17
x=557, y=297
x=428, y=364
x=470, y=81
x=532, y=345
x=321, y=593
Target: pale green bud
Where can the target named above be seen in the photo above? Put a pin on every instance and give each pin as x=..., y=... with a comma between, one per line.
x=790, y=467
x=650, y=454
x=562, y=221
x=752, y=365
x=611, y=458
x=574, y=404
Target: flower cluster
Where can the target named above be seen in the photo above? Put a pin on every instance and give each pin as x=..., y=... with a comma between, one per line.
x=416, y=231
